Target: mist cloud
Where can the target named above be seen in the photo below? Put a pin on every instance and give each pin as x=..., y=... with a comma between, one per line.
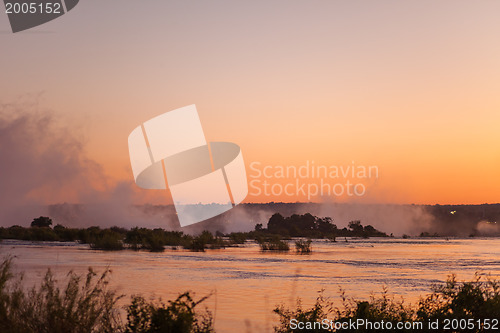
x=44, y=169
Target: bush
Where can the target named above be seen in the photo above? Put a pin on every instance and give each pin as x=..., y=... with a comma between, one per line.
x=303, y=246
x=89, y=235
x=154, y=243
x=274, y=244
x=321, y=310
x=154, y=240
x=66, y=234
x=85, y=304
x=30, y=234
x=179, y=316
x=477, y=299
x=205, y=241
x=107, y=240
x=375, y=310
x=41, y=234
x=238, y=237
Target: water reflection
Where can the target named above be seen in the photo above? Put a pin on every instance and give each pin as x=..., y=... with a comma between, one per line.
x=247, y=284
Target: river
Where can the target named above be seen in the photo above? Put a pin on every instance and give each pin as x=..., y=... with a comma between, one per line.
x=247, y=284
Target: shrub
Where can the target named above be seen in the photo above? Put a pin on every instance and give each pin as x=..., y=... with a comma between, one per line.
x=85, y=304
x=205, y=241
x=196, y=244
x=66, y=234
x=374, y=310
x=154, y=242
x=107, y=240
x=274, y=244
x=179, y=316
x=303, y=246
x=175, y=238
x=238, y=237
x=41, y=234
x=477, y=299
x=89, y=235
x=320, y=310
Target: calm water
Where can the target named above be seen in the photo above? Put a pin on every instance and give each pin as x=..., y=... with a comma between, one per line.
x=247, y=284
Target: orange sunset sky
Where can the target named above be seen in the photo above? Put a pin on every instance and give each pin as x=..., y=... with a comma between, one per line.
x=412, y=87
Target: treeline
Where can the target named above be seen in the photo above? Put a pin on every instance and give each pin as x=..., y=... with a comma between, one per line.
x=114, y=238
x=117, y=238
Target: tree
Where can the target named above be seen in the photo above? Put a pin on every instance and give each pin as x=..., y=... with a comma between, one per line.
x=42, y=222
x=356, y=227
x=325, y=225
x=276, y=223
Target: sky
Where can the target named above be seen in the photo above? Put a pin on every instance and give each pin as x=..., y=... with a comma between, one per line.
x=410, y=87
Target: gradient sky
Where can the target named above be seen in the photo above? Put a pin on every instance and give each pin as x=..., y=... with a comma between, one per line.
x=409, y=86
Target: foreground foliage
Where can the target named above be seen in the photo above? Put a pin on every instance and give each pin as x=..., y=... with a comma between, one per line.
x=179, y=316
x=476, y=299
x=86, y=304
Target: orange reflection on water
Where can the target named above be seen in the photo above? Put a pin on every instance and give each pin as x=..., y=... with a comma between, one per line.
x=247, y=284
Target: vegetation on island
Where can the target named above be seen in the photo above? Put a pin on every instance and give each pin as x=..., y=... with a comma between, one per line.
x=272, y=238
x=303, y=246
x=274, y=243
x=311, y=226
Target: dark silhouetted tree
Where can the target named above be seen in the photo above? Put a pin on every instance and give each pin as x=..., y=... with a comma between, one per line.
x=42, y=222
x=325, y=225
x=356, y=227
x=276, y=223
